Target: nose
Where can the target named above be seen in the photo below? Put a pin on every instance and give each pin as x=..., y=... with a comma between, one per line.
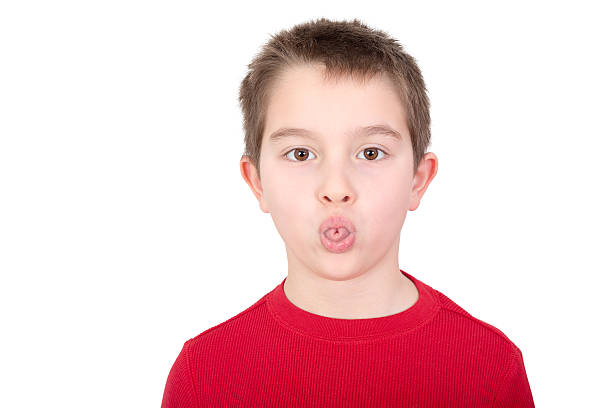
x=335, y=198
x=336, y=189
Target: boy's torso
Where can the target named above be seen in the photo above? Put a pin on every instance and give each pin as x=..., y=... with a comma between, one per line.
x=256, y=359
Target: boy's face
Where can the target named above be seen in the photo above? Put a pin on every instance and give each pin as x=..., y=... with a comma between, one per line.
x=337, y=171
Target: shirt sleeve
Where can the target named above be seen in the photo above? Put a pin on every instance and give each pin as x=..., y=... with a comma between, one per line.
x=180, y=391
x=514, y=391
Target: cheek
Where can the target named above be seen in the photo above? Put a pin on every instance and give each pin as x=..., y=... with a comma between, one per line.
x=290, y=183
x=386, y=202
x=290, y=198
x=387, y=187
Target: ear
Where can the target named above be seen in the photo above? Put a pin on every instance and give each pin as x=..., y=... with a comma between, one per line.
x=249, y=174
x=426, y=171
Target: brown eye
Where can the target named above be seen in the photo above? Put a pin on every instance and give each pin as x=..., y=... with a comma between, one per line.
x=371, y=153
x=300, y=154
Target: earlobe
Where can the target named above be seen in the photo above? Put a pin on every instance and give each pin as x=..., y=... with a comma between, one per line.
x=426, y=171
x=249, y=174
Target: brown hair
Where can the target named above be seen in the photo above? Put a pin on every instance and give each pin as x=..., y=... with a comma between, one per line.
x=346, y=48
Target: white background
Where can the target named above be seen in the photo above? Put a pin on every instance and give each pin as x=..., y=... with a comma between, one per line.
x=126, y=227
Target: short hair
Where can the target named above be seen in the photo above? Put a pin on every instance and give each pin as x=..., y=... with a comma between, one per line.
x=346, y=48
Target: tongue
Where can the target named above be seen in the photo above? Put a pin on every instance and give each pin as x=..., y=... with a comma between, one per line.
x=332, y=235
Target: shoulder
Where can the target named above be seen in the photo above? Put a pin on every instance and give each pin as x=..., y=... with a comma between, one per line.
x=489, y=349
x=461, y=333
x=451, y=311
x=236, y=325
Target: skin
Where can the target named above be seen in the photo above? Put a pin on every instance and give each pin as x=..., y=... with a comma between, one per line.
x=338, y=175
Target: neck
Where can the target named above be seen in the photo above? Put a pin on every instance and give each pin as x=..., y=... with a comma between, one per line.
x=368, y=295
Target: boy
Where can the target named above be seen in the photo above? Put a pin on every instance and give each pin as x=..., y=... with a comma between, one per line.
x=336, y=121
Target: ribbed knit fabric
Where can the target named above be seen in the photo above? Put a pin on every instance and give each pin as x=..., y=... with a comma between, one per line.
x=274, y=354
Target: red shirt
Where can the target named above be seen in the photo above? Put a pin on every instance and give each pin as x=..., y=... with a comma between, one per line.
x=274, y=354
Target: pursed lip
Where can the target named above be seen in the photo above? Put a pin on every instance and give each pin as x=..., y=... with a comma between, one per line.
x=336, y=221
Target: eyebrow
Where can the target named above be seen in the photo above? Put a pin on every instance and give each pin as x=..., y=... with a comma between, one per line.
x=362, y=131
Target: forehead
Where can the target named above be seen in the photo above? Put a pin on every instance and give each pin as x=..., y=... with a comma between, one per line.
x=304, y=103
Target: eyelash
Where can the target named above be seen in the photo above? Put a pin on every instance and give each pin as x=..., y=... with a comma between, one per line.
x=367, y=148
